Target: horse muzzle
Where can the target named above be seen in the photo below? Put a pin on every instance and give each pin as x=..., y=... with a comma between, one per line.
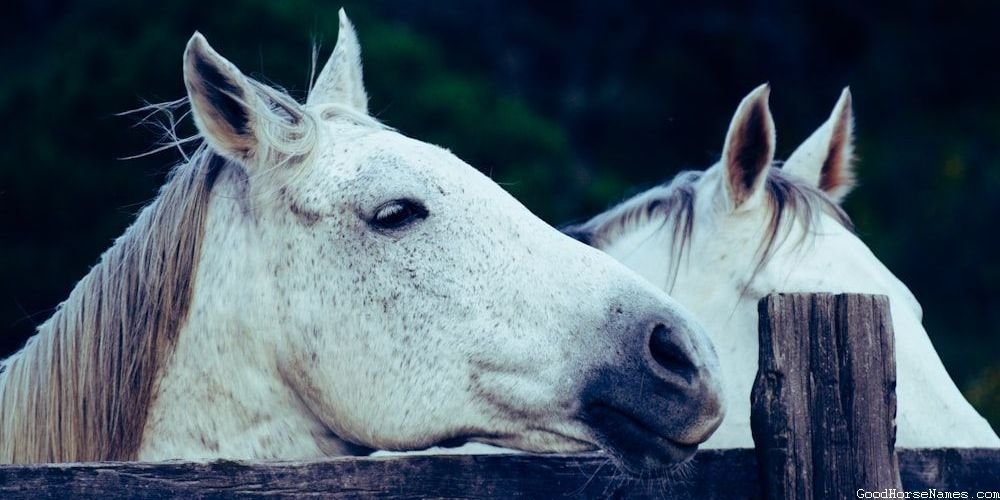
x=651, y=410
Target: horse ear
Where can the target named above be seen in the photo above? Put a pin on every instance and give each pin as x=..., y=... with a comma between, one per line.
x=222, y=101
x=826, y=158
x=341, y=82
x=237, y=116
x=749, y=148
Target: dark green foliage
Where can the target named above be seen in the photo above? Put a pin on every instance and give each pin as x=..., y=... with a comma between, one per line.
x=570, y=106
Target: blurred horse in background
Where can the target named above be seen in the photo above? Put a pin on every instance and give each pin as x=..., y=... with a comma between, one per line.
x=721, y=239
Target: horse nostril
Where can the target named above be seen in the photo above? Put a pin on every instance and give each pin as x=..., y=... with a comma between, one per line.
x=670, y=354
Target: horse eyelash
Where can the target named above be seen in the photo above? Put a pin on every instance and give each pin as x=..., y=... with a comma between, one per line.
x=417, y=211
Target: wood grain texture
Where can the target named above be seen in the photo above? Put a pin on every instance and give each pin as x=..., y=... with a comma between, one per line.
x=713, y=474
x=823, y=403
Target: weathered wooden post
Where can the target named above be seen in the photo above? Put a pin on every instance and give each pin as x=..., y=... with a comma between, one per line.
x=824, y=400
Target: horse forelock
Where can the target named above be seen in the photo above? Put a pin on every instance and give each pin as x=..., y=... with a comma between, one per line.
x=790, y=201
x=80, y=388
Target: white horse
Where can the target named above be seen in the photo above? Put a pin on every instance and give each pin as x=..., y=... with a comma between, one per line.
x=721, y=239
x=312, y=283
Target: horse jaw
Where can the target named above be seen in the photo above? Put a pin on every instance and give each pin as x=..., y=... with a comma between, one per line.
x=219, y=394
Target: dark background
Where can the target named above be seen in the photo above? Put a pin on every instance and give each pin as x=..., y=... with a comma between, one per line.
x=572, y=106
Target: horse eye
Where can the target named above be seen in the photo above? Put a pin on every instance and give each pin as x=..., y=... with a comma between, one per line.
x=397, y=214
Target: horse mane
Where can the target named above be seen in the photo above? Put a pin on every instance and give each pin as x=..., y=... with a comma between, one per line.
x=670, y=201
x=80, y=389
x=791, y=201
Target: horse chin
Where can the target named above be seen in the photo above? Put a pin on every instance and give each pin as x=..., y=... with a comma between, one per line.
x=544, y=441
x=633, y=448
x=637, y=448
x=648, y=465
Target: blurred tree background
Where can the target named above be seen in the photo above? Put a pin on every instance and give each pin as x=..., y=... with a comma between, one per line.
x=571, y=106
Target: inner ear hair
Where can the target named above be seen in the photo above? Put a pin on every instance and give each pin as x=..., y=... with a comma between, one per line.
x=749, y=155
x=836, y=174
x=222, y=100
x=222, y=96
x=749, y=146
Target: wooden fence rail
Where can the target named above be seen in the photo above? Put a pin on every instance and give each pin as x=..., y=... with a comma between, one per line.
x=822, y=356
x=714, y=474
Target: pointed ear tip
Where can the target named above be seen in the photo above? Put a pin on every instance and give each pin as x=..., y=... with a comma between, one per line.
x=761, y=93
x=194, y=50
x=757, y=105
x=196, y=42
x=198, y=47
x=844, y=106
x=762, y=98
x=344, y=20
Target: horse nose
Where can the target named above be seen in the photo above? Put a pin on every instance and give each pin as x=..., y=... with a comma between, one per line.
x=679, y=360
x=670, y=355
x=681, y=368
x=660, y=397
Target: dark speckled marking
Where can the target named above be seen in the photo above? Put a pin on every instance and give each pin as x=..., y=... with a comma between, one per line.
x=210, y=444
x=306, y=217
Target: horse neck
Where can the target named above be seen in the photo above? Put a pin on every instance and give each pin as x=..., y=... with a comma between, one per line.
x=931, y=410
x=831, y=258
x=221, y=395
x=80, y=388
